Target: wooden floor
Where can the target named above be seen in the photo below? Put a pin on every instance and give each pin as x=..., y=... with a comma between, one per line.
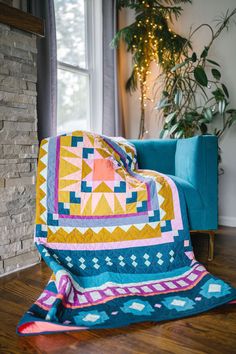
x=212, y=332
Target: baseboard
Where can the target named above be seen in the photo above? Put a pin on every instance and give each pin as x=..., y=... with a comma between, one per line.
x=21, y=268
x=227, y=221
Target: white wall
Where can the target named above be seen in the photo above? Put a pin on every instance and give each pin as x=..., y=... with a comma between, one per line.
x=224, y=52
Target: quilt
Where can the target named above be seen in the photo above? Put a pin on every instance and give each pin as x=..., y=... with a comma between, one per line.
x=116, y=239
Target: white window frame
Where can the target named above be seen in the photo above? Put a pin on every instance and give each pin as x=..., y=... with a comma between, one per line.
x=95, y=60
x=94, y=71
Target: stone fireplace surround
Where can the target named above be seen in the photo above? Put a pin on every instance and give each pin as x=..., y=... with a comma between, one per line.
x=18, y=148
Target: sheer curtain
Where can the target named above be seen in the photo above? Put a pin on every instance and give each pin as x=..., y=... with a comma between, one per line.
x=47, y=69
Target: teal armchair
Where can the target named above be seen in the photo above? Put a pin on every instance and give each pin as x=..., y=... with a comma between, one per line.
x=192, y=164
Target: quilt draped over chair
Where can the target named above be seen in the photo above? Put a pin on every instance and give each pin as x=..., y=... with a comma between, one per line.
x=116, y=239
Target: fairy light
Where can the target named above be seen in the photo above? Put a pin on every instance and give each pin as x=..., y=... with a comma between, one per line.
x=146, y=43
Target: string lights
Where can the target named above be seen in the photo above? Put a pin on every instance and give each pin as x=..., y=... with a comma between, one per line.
x=150, y=54
x=149, y=39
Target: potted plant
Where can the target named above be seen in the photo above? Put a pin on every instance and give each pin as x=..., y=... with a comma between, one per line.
x=193, y=91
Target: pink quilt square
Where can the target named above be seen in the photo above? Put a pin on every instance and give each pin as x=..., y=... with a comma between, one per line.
x=103, y=170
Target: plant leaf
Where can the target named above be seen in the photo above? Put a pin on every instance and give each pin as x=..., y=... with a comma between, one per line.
x=205, y=52
x=213, y=62
x=178, y=66
x=191, y=116
x=173, y=128
x=216, y=74
x=194, y=57
x=163, y=133
x=218, y=94
x=230, y=111
x=162, y=103
x=170, y=117
x=200, y=76
x=217, y=131
x=232, y=119
x=221, y=106
x=225, y=90
x=202, y=120
x=178, y=97
x=203, y=128
x=165, y=93
x=208, y=114
x=179, y=134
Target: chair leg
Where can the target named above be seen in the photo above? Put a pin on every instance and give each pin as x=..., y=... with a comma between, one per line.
x=211, y=245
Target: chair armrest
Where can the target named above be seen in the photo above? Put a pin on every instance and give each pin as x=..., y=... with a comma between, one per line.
x=196, y=162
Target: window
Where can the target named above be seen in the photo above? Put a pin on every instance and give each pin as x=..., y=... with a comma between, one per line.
x=79, y=55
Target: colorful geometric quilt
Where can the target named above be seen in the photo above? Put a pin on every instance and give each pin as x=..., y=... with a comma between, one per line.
x=116, y=239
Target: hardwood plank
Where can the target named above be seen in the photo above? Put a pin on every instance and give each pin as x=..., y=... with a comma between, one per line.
x=22, y=20
x=212, y=332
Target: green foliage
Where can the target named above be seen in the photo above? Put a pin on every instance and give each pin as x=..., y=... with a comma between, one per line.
x=150, y=39
x=194, y=94
x=200, y=75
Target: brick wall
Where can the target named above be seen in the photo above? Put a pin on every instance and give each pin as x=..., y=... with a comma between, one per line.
x=18, y=148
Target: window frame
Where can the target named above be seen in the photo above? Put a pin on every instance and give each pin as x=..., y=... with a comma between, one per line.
x=94, y=61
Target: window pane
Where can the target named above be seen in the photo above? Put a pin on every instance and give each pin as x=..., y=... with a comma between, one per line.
x=70, y=24
x=73, y=101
